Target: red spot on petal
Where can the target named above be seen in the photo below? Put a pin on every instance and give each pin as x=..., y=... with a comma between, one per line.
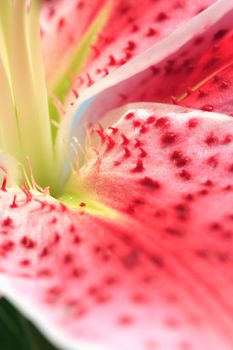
x=162, y=122
x=129, y=115
x=168, y=138
x=184, y=174
x=207, y=108
x=149, y=182
x=27, y=242
x=192, y=123
x=138, y=167
x=7, y=222
x=211, y=139
x=4, y=183
x=150, y=120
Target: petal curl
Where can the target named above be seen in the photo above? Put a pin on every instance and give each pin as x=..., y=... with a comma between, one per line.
x=157, y=75
x=160, y=275
x=209, y=85
x=130, y=31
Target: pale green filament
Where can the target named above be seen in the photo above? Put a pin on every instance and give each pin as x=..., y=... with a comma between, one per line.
x=9, y=134
x=24, y=115
x=8, y=121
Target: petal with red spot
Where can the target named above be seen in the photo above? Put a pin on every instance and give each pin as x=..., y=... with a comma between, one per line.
x=161, y=74
x=157, y=275
x=130, y=31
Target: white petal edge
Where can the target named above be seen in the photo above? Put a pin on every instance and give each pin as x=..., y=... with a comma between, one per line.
x=34, y=314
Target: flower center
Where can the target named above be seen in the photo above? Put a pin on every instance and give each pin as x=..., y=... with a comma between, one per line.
x=25, y=117
x=26, y=111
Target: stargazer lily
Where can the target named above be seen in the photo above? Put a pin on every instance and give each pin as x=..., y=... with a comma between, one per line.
x=117, y=171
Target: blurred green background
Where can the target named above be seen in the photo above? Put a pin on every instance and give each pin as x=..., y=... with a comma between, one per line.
x=17, y=333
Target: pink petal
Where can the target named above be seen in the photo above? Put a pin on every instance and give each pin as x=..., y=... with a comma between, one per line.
x=160, y=275
x=63, y=23
x=211, y=80
x=133, y=28
x=159, y=74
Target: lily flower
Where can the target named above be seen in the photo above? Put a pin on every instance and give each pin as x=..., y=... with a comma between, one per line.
x=116, y=220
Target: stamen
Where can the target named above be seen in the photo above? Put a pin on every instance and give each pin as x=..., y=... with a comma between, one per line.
x=58, y=106
x=26, y=176
x=72, y=164
x=14, y=204
x=8, y=120
x=30, y=101
x=4, y=183
x=27, y=193
x=35, y=186
x=82, y=150
x=76, y=159
x=25, y=129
